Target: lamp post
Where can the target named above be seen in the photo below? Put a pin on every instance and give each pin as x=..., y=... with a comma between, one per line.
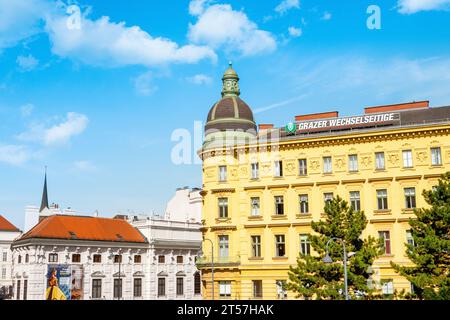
x=212, y=267
x=327, y=259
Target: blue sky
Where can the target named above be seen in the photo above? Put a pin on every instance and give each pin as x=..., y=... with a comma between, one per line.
x=96, y=99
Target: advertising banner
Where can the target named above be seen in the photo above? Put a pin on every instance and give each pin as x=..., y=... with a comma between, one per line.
x=64, y=282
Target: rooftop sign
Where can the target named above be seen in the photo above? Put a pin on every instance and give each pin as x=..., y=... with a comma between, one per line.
x=348, y=122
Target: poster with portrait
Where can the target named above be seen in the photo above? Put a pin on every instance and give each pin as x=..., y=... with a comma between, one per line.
x=76, y=282
x=58, y=282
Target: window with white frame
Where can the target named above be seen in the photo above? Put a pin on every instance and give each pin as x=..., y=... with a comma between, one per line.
x=280, y=245
x=410, y=198
x=407, y=159
x=382, y=200
x=304, y=205
x=302, y=167
x=385, y=236
x=327, y=197
x=222, y=173
x=5, y=256
x=355, y=200
x=387, y=286
x=3, y=273
x=409, y=238
x=353, y=163
x=279, y=205
x=436, y=159
x=225, y=289
x=256, y=246
x=327, y=165
x=96, y=288
x=305, y=244
x=223, y=246
x=53, y=257
x=223, y=207
x=379, y=161
x=278, y=167
x=255, y=170
x=257, y=289
x=255, y=203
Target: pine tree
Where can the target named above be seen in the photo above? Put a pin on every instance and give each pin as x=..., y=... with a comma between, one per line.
x=313, y=278
x=430, y=252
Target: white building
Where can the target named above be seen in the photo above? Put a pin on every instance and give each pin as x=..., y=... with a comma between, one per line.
x=157, y=254
x=8, y=233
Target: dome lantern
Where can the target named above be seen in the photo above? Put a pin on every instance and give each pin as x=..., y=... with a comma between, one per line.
x=230, y=82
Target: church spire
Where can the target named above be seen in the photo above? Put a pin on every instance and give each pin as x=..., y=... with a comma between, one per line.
x=230, y=82
x=44, y=202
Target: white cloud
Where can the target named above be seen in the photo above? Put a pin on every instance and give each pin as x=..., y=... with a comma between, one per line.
x=413, y=6
x=197, y=7
x=221, y=26
x=20, y=19
x=84, y=166
x=295, y=32
x=58, y=134
x=326, y=16
x=27, y=63
x=287, y=5
x=98, y=42
x=200, y=79
x=143, y=84
x=26, y=110
x=14, y=154
x=108, y=44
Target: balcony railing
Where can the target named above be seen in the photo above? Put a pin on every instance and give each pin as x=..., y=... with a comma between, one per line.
x=229, y=261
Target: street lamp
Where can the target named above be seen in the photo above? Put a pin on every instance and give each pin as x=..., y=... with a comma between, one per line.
x=327, y=259
x=212, y=267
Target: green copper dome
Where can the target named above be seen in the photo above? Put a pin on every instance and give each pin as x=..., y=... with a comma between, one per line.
x=230, y=82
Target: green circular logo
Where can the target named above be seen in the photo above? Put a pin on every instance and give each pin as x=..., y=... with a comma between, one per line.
x=290, y=127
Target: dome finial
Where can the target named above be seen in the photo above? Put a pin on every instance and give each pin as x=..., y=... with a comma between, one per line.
x=230, y=82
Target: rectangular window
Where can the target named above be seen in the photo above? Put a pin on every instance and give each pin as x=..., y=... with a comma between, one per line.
x=409, y=238
x=255, y=206
x=222, y=173
x=382, y=199
x=117, y=258
x=223, y=207
x=327, y=197
x=305, y=244
x=302, y=167
x=223, y=246
x=161, y=287
x=386, y=237
x=407, y=159
x=280, y=245
x=304, y=205
x=180, y=284
x=3, y=273
x=225, y=288
x=18, y=290
x=53, y=257
x=379, y=161
x=5, y=256
x=257, y=289
x=256, y=246
x=161, y=259
x=76, y=257
x=355, y=200
x=255, y=170
x=137, y=258
x=327, y=165
x=410, y=198
x=25, y=289
x=278, y=169
x=97, y=258
x=353, y=163
x=279, y=205
x=117, y=288
x=27, y=258
x=96, y=288
x=387, y=286
x=179, y=259
x=436, y=159
x=281, y=289
x=197, y=283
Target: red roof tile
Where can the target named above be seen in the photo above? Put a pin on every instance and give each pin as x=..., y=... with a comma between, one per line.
x=5, y=225
x=396, y=107
x=85, y=228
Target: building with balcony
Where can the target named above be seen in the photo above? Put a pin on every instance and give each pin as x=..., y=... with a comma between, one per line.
x=263, y=188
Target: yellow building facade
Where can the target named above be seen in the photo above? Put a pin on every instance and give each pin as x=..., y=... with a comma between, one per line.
x=262, y=190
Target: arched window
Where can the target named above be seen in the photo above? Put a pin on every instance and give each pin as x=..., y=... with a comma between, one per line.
x=197, y=283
